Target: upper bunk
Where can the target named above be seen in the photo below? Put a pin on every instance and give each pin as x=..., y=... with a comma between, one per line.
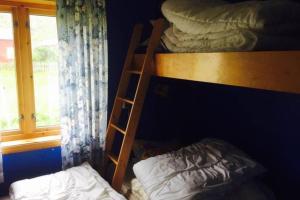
x=253, y=48
x=267, y=70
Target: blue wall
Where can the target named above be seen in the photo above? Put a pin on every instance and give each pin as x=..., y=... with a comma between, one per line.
x=29, y=164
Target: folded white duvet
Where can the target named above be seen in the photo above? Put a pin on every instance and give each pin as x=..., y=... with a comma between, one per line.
x=234, y=40
x=194, y=172
x=210, y=16
x=77, y=183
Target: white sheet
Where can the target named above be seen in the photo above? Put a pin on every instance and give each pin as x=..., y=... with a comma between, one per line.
x=196, y=171
x=133, y=190
x=77, y=183
x=249, y=191
x=253, y=190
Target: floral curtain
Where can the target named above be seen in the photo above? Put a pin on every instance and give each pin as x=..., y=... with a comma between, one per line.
x=83, y=79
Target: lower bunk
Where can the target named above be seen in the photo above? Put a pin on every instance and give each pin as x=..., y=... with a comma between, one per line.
x=210, y=170
x=76, y=183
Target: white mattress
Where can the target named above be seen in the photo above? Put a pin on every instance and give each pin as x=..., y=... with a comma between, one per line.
x=253, y=190
x=77, y=183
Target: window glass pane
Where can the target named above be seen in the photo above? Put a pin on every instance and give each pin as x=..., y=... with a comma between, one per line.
x=9, y=111
x=45, y=69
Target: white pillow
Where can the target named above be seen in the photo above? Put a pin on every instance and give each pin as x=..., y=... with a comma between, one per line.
x=197, y=171
x=204, y=16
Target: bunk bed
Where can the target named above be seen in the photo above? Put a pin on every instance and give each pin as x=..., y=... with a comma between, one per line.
x=267, y=68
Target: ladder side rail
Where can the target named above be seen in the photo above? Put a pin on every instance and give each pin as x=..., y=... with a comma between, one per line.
x=122, y=87
x=136, y=110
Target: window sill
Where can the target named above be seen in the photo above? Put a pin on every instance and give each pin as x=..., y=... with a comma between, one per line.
x=30, y=144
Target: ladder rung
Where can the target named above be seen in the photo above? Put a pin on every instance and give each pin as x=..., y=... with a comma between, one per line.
x=113, y=158
x=118, y=129
x=125, y=100
x=134, y=71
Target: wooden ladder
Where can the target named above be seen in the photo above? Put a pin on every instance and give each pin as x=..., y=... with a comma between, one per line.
x=144, y=74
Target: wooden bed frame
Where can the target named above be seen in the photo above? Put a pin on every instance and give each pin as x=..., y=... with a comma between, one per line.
x=268, y=70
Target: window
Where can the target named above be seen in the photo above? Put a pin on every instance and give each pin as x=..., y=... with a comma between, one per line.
x=29, y=104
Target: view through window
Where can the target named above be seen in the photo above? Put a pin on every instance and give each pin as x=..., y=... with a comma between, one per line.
x=9, y=108
x=45, y=69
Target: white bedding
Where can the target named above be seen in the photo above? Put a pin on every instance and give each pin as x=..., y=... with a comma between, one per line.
x=77, y=183
x=252, y=190
x=196, y=171
x=216, y=25
x=133, y=190
x=212, y=16
x=234, y=40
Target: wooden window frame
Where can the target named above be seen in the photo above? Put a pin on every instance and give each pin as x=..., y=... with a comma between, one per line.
x=29, y=137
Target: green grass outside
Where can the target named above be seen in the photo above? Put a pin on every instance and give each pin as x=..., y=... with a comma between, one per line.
x=46, y=97
x=8, y=99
